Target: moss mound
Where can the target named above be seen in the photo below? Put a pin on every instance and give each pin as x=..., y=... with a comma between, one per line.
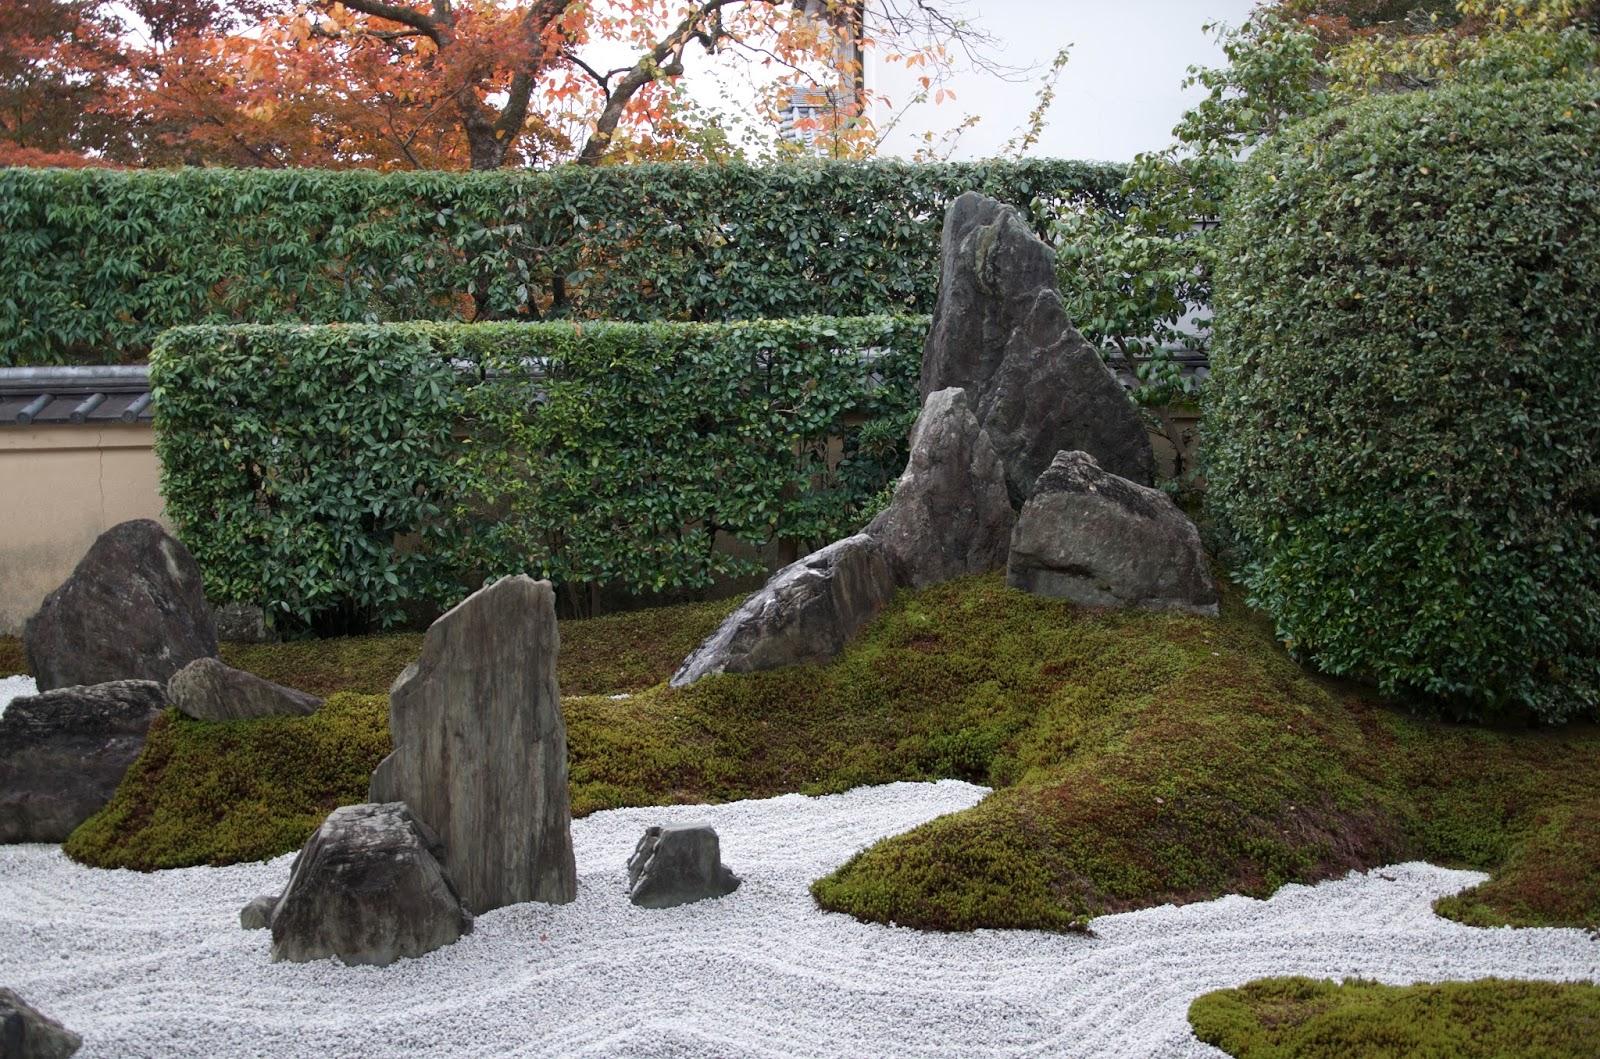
x=1298, y=1018
x=1139, y=759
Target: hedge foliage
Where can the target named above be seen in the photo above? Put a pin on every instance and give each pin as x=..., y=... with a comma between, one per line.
x=1403, y=433
x=343, y=473
x=98, y=262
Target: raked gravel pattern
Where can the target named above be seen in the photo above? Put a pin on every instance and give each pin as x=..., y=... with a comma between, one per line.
x=156, y=965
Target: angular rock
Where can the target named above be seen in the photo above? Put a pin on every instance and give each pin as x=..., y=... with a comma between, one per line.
x=805, y=614
x=1000, y=332
x=1097, y=539
x=368, y=888
x=133, y=609
x=27, y=1034
x=257, y=915
x=242, y=623
x=480, y=747
x=208, y=690
x=678, y=864
x=950, y=514
x=63, y=753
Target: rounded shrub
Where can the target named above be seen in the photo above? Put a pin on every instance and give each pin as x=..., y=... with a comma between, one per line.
x=1403, y=441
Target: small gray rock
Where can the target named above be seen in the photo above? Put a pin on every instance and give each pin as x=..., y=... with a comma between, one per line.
x=208, y=690
x=243, y=623
x=678, y=864
x=951, y=514
x=480, y=747
x=27, y=1034
x=133, y=609
x=805, y=614
x=368, y=888
x=63, y=753
x=257, y=915
x=1097, y=539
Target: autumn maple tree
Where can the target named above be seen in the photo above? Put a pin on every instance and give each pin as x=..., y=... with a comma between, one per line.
x=429, y=83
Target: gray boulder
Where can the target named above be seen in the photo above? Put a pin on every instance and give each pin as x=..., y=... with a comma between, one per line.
x=678, y=864
x=133, y=609
x=480, y=747
x=243, y=623
x=805, y=614
x=1000, y=332
x=368, y=888
x=208, y=690
x=1097, y=539
x=27, y=1034
x=951, y=514
x=63, y=753
x=257, y=915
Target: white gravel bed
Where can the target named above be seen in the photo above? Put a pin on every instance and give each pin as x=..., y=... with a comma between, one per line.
x=156, y=965
x=15, y=688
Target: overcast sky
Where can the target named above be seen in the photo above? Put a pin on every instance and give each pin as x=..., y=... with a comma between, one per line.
x=1120, y=93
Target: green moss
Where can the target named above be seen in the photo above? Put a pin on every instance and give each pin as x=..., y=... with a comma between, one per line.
x=13, y=659
x=1298, y=1018
x=1138, y=759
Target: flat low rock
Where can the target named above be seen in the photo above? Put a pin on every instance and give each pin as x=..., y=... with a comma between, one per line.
x=208, y=690
x=805, y=613
x=480, y=747
x=133, y=609
x=1092, y=537
x=27, y=1034
x=678, y=864
x=368, y=888
x=951, y=514
x=63, y=753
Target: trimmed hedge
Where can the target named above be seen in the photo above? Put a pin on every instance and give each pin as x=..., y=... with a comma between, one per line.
x=341, y=474
x=1402, y=435
x=98, y=262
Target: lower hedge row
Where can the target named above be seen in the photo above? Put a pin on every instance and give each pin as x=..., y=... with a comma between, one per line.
x=344, y=475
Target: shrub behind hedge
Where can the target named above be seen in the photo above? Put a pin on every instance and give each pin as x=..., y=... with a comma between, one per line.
x=98, y=262
x=341, y=474
x=1405, y=436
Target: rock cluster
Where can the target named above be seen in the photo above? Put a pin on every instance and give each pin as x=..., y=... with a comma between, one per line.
x=1097, y=539
x=678, y=864
x=133, y=609
x=1006, y=383
x=208, y=690
x=63, y=753
x=480, y=747
x=26, y=1034
x=368, y=888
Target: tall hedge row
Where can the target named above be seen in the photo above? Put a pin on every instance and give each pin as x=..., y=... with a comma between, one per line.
x=345, y=474
x=97, y=262
x=1403, y=431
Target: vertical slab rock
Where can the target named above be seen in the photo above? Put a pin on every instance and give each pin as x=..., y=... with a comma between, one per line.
x=805, y=614
x=133, y=609
x=1000, y=332
x=1097, y=539
x=368, y=888
x=63, y=753
x=481, y=747
x=951, y=514
x=27, y=1034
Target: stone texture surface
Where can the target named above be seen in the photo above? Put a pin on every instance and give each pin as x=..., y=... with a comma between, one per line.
x=368, y=888
x=242, y=623
x=1094, y=538
x=805, y=614
x=208, y=690
x=951, y=514
x=480, y=747
x=133, y=609
x=1000, y=332
x=63, y=753
x=27, y=1034
x=257, y=915
x=678, y=864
